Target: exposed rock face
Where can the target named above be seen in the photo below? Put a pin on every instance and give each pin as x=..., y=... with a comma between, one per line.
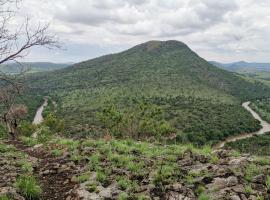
x=224, y=178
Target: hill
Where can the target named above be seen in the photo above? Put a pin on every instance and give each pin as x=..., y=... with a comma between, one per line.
x=31, y=67
x=201, y=102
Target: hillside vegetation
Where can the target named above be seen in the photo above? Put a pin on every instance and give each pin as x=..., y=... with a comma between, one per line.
x=193, y=97
x=257, y=145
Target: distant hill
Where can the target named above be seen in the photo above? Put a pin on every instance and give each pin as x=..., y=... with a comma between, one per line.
x=200, y=100
x=243, y=67
x=31, y=67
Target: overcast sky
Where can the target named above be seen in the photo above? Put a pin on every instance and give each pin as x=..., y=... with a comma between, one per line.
x=221, y=30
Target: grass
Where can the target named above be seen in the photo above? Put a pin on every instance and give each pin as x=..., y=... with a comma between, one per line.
x=268, y=183
x=204, y=196
x=4, y=198
x=82, y=178
x=251, y=171
x=57, y=152
x=28, y=187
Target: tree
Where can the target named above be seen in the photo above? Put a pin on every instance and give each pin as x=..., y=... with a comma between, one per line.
x=15, y=45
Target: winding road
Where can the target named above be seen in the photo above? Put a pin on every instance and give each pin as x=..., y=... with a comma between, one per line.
x=265, y=128
x=38, y=117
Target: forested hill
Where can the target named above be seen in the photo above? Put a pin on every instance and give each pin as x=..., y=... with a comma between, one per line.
x=200, y=101
x=168, y=67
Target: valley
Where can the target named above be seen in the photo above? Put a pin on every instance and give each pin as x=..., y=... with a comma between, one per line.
x=153, y=122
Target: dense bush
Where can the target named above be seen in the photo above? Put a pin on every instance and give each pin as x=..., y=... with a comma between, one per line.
x=258, y=145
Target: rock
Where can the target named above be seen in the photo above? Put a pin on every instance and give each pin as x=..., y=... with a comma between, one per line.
x=238, y=161
x=235, y=197
x=8, y=191
x=175, y=195
x=106, y=193
x=238, y=189
x=84, y=194
x=243, y=197
x=37, y=146
x=259, y=179
x=220, y=183
x=73, y=179
x=176, y=187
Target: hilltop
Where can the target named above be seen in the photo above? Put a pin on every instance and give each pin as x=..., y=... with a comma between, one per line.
x=199, y=101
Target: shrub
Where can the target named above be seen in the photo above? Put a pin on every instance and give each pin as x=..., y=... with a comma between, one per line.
x=27, y=129
x=28, y=187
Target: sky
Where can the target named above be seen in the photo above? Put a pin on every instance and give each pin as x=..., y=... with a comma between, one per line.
x=220, y=30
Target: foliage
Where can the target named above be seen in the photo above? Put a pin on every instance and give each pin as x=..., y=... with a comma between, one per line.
x=26, y=128
x=28, y=187
x=258, y=145
x=268, y=182
x=197, y=98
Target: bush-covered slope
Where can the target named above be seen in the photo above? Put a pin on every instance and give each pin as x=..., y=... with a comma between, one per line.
x=155, y=66
x=160, y=73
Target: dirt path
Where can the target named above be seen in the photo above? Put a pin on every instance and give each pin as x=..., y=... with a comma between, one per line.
x=265, y=128
x=54, y=174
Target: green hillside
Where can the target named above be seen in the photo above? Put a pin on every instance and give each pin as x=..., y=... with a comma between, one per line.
x=201, y=102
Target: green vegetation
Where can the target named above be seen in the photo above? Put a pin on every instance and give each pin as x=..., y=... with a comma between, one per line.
x=258, y=145
x=198, y=101
x=28, y=187
x=268, y=183
x=262, y=107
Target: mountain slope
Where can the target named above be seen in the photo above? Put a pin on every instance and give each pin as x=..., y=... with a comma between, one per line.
x=195, y=96
x=31, y=67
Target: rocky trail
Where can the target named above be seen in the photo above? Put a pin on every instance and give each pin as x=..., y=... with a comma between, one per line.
x=53, y=173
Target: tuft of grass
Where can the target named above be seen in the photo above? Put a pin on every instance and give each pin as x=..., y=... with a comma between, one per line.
x=4, y=197
x=6, y=148
x=123, y=196
x=28, y=187
x=29, y=141
x=91, y=187
x=57, y=152
x=267, y=183
x=251, y=171
x=26, y=166
x=103, y=178
x=82, y=178
x=248, y=190
x=204, y=196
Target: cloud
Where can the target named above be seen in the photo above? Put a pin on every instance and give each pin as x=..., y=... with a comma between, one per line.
x=220, y=30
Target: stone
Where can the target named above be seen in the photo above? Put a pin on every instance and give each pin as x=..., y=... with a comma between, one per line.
x=235, y=197
x=106, y=193
x=259, y=179
x=220, y=183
